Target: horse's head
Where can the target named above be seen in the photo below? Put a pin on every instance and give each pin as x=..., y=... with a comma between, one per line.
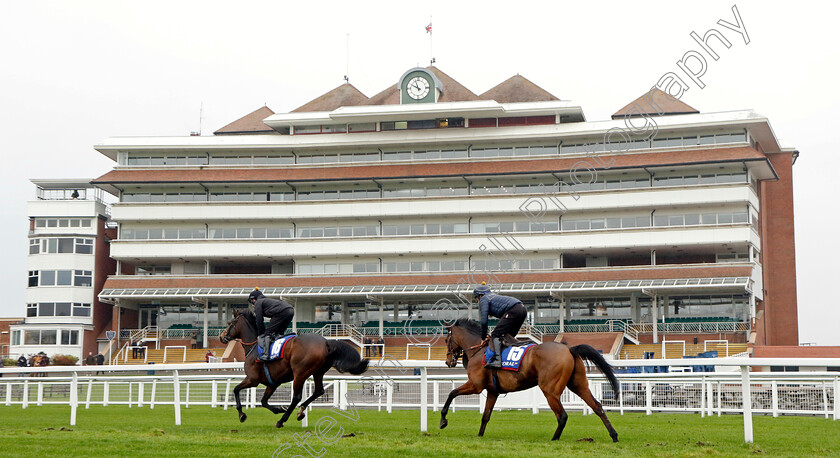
x=453, y=349
x=234, y=328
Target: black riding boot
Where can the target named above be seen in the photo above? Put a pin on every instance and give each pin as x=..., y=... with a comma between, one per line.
x=496, y=361
x=265, y=344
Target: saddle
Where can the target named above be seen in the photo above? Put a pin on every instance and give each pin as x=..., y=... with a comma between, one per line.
x=272, y=346
x=510, y=341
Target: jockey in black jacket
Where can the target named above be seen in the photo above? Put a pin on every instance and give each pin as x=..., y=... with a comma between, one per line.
x=280, y=312
x=511, y=313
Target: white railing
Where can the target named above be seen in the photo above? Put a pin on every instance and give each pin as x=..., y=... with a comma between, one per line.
x=532, y=333
x=714, y=393
x=343, y=331
x=123, y=351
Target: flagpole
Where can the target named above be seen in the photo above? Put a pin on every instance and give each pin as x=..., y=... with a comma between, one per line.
x=431, y=43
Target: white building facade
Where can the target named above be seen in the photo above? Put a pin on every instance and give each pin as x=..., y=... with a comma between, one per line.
x=66, y=225
x=374, y=210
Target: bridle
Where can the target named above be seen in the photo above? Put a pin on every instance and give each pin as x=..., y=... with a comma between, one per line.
x=460, y=352
x=224, y=335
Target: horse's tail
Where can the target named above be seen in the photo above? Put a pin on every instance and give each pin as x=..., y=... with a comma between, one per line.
x=587, y=352
x=346, y=358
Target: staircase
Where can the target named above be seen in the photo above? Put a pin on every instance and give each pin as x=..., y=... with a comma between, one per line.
x=630, y=333
x=532, y=333
x=343, y=332
x=147, y=334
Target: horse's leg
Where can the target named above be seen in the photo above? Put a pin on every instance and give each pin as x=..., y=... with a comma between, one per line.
x=467, y=388
x=298, y=393
x=247, y=383
x=269, y=390
x=319, y=390
x=579, y=385
x=559, y=412
x=488, y=410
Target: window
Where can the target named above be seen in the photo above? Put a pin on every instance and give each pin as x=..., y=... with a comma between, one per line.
x=34, y=246
x=84, y=246
x=33, y=278
x=69, y=337
x=15, y=338
x=81, y=309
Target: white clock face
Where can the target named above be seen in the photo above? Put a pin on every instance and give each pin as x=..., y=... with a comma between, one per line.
x=418, y=87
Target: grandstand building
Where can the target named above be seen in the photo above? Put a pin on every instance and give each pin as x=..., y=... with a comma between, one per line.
x=67, y=265
x=384, y=212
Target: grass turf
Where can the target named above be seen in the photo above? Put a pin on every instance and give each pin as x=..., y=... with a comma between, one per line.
x=120, y=431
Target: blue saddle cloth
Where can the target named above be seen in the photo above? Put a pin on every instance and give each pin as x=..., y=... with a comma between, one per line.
x=512, y=356
x=278, y=347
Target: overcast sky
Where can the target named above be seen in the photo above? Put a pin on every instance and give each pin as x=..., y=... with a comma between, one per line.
x=74, y=73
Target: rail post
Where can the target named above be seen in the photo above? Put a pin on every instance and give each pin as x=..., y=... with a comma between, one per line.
x=25, y=396
x=176, y=401
x=87, y=395
x=74, y=397
x=424, y=399
x=836, y=398
x=152, y=398
x=389, y=397
x=774, y=397
x=747, y=404
x=39, y=394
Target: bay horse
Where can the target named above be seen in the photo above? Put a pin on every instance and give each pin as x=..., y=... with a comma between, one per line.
x=304, y=356
x=551, y=366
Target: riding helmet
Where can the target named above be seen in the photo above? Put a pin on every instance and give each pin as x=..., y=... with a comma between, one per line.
x=255, y=294
x=480, y=290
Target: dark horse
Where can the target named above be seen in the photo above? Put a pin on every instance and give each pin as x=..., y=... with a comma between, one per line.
x=551, y=365
x=306, y=355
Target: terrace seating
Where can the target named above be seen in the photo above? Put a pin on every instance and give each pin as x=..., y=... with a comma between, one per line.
x=675, y=350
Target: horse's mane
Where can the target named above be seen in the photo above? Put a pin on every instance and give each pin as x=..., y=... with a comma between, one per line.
x=250, y=318
x=472, y=326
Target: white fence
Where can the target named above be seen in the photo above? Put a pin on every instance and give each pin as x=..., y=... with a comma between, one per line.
x=706, y=393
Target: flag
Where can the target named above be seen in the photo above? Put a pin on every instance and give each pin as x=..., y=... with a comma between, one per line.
x=429, y=28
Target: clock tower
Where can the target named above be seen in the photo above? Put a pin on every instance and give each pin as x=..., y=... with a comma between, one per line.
x=419, y=85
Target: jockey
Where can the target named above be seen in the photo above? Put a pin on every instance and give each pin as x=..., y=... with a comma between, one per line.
x=511, y=313
x=280, y=312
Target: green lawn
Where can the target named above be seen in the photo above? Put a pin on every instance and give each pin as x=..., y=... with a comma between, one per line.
x=120, y=431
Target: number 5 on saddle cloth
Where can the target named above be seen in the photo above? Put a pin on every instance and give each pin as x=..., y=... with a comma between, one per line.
x=512, y=356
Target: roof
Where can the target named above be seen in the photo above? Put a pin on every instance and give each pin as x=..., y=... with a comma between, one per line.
x=251, y=123
x=453, y=91
x=734, y=284
x=342, y=96
x=654, y=102
x=517, y=88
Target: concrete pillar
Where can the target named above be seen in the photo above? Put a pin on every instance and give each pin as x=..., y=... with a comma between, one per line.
x=562, y=305
x=206, y=319
x=396, y=312
x=536, y=311
x=654, y=312
x=345, y=313
x=381, y=317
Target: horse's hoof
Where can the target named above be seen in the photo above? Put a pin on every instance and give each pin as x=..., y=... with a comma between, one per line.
x=615, y=439
x=242, y=418
x=279, y=424
x=301, y=416
x=443, y=424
